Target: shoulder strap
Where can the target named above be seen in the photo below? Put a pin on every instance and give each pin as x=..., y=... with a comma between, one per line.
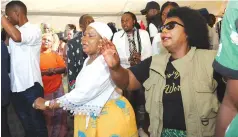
x=139, y=40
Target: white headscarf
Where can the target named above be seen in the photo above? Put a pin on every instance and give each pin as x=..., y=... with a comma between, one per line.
x=102, y=29
x=93, y=86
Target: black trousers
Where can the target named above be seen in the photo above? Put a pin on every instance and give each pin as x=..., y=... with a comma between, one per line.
x=5, y=132
x=137, y=100
x=33, y=120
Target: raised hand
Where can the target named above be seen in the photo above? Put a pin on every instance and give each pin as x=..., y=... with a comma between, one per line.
x=39, y=103
x=109, y=52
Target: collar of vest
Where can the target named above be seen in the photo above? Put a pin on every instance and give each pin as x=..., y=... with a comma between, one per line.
x=159, y=62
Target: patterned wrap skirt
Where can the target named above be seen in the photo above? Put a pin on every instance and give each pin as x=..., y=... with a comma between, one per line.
x=117, y=119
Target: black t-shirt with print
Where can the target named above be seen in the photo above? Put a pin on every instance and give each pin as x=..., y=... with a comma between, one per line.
x=173, y=116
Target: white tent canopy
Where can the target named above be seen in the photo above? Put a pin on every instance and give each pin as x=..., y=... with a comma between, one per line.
x=58, y=13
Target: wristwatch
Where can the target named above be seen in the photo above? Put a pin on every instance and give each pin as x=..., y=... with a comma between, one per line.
x=47, y=103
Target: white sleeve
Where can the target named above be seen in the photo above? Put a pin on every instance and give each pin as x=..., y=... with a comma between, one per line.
x=155, y=44
x=153, y=30
x=146, y=45
x=31, y=36
x=89, y=85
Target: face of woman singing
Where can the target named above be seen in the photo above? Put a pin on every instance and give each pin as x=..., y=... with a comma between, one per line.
x=90, y=41
x=173, y=34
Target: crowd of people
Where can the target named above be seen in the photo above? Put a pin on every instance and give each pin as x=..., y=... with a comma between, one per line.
x=176, y=78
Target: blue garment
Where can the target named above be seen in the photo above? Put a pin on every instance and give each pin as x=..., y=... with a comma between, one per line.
x=5, y=80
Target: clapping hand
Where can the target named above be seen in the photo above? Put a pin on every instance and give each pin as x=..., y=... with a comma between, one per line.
x=109, y=52
x=39, y=103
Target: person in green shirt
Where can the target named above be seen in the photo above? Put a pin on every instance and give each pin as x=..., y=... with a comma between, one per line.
x=226, y=63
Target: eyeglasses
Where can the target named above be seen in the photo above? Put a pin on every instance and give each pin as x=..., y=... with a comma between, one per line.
x=170, y=25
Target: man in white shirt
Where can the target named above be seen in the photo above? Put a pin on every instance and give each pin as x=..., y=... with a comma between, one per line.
x=140, y=37
x=133, y=46
x=26, y=82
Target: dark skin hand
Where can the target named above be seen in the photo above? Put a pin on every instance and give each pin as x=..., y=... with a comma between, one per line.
x=135, y=59
x=53, y=71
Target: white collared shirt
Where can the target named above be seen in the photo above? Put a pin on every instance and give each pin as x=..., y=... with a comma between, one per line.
x=122, y=45
x=153, y=30
x=25, y=58
x=156, y=44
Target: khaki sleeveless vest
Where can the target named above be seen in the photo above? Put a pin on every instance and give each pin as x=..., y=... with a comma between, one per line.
x=198, y=90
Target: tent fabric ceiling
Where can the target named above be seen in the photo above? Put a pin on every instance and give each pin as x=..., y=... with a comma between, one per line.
x=104, y=10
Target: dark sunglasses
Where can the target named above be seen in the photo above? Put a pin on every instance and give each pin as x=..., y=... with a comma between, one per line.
x=170, y=25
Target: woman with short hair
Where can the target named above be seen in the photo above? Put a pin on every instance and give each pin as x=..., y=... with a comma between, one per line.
x=52, y=66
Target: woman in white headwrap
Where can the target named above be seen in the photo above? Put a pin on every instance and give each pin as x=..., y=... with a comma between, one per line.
x=99, y=110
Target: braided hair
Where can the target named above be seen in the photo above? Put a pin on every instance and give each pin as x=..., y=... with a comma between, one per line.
x=137, y=26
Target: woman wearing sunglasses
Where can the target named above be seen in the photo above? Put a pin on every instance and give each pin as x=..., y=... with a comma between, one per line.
x=180, y=88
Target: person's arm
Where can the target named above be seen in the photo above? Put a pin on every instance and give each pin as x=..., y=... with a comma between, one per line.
x=45, y=73
x=11, y=30
x=147, y=48
x=123, y=78
x=53, y=71
x=59, y=70
x=228, y=108
x=42, y=104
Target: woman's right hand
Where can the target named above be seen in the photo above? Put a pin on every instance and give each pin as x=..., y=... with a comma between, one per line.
x=109, y=52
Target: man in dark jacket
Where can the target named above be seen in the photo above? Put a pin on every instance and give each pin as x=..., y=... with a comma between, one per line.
x=153, y=18
x=5, y=86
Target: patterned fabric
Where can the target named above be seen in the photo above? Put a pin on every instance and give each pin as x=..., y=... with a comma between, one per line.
x=117, y=119
x=56, y=119
x=173, y=133
x=75, y=59
x=132, y=44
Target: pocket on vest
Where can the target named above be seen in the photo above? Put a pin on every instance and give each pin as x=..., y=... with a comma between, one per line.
x=207, y=106
x=151, y=94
